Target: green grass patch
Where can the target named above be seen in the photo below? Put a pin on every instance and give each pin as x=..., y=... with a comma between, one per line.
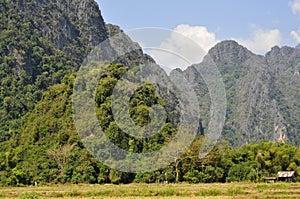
x=209, y=192
x=30, y=196
x=235, y=191
x=151, y=191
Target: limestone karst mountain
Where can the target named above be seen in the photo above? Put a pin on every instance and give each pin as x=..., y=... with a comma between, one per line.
x=42, y=46
x=262, y=93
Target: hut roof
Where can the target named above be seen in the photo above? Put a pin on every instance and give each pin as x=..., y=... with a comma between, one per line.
x=285, y=174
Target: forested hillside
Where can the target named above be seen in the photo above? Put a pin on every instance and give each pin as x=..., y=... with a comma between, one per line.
x=47, y=148
x=41, y=42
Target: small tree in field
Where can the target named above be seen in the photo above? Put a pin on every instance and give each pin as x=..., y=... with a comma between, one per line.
x=61, y=155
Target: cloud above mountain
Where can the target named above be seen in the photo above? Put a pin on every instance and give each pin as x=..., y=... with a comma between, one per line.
x=199, y=34
x=296, y=36
x=186, y=45
x=295, y=5
x=261, y=40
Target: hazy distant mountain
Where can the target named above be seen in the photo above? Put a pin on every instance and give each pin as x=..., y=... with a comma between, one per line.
x=262, y=93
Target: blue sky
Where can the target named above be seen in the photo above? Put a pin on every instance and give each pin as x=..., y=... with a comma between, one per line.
x=257, y=25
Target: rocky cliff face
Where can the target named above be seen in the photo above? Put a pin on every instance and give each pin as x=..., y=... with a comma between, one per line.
x=65, y=21
x=262, y=93
x=120, y=43
x=41, y=42
x=284, y=64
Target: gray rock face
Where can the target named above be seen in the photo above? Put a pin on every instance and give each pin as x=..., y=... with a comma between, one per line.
x=65, y=21
x=121, y=43
x=284, y=66
x=262, y=93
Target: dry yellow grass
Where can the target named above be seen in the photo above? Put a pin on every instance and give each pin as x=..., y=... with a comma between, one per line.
x=149, y=191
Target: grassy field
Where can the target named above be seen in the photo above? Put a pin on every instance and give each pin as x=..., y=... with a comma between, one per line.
x=172, y=191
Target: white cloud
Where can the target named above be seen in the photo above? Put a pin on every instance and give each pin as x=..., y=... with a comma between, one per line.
x=296, y=36
x=187, y=45
x=295, y=5
x=199, y=34
x=261, y=40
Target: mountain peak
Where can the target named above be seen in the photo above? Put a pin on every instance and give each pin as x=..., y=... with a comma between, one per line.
x=228, y=43
x=229, y=51
x=283, y=55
